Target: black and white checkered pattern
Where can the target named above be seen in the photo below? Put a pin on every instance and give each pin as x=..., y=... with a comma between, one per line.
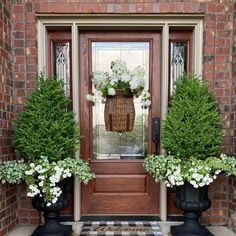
x=88, y=228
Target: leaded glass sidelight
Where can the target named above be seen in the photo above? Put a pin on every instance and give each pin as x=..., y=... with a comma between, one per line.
x=178, y=61
x=125, y=145
x=62, y=63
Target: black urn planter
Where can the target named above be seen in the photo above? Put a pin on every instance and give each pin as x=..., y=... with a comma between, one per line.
x=52, y=226
x=193, y=201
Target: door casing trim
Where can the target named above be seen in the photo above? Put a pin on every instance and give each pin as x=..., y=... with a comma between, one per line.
x=77, y=22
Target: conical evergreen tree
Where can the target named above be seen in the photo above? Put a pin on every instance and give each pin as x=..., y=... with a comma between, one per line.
x=46, y=127
x=193, y=124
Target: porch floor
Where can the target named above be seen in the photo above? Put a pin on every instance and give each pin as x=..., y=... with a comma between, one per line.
x=165, y=227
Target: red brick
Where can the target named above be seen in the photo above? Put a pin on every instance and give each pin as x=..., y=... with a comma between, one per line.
x=164, y=7
x=211, y=7
x=24, y=213
x=222, y=17
x=20, y=59
x=19, y=26
x=220, y=8
x=18, y=9
x=30, y=17
x=44, y=7
x=85, y=7
x=35, y=221
x=124, y=7
x=220, y=26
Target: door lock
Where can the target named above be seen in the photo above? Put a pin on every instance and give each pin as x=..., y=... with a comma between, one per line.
x=156, y=132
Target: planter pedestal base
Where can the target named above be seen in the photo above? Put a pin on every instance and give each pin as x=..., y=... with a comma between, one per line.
x=193, y=201
x=62, y=230
x=52, y=227
x=180, y=230
x=191, y=227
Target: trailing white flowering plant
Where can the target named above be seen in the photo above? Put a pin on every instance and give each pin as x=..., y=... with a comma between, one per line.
x=191, y=138
x=174, y=171
x=46, y=136
x=43, y=177
x=120, y=78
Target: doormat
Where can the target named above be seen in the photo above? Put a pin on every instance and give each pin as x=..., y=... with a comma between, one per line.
x=120, y=228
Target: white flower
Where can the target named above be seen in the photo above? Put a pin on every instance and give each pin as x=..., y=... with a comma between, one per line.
x=120, y=78
x=125, y=77
x=145, y=94
x=41, y=183
x=111, y=91
x=90, y=97
x=32, y=165
x=146, y=103
x=195, y=175
x=29, y=172
x=57, y=168
x=118, y=68
x=33, y=190
x=134, y=84
x=54, y=178
x=38, y=167
x=138, y=72
x=100, y=79
x=96, y=96
x=29, y=194
x=42, y=177
x=54, y=200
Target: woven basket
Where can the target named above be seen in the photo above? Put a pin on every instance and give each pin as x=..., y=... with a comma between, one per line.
x=119, y=113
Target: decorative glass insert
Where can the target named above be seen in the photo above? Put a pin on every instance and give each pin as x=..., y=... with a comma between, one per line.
x=126, y=145
x=178, y=61
x=62, y=64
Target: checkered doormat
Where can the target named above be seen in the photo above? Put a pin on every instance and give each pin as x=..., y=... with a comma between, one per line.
x=120, y=228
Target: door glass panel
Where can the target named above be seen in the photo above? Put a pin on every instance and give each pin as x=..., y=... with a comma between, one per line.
x=126, y=145
x=178, y=63
x=62, y=64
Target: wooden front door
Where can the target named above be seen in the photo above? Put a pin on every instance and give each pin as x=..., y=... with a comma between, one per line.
x=122, y=186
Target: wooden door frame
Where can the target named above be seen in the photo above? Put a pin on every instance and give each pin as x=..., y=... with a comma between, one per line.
x=165, y=22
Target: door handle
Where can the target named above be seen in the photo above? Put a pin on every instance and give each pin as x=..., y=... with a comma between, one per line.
x=156, y=131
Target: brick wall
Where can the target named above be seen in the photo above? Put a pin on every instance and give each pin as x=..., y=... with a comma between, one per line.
x=8, y=204
x=232, y=180
x=217, y=70
x=25, y=72
x=219, y=195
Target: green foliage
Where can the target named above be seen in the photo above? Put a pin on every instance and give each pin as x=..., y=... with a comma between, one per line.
x=193, y=124
x=46, y=136
x=46, y=127
x=43, y=177
x=12, y=171
x=174, y=171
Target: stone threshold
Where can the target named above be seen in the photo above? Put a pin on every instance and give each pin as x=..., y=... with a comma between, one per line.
x=165, y=227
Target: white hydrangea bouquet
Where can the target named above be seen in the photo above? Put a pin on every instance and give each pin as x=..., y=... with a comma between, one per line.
x=120, y=78
x=174, y=171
